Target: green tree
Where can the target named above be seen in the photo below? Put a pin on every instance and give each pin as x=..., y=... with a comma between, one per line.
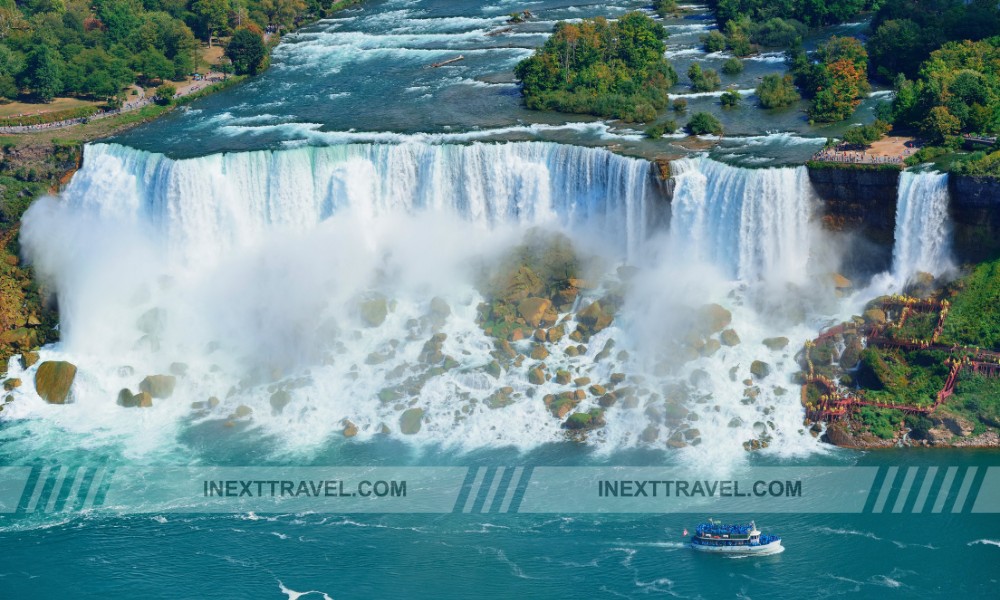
x=777, y=91
x=714, y=41
x=246, y=51
x=154, y=66
x=897, y=46
x=703, y=80
x=732, y=66
x=121, y=18
x=43, y=73
x=212, y=16
x=165, y=94
x=940, y=124
x=730, y=98
x=704, y=123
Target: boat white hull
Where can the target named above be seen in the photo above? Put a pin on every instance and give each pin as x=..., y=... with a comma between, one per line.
x=772, y=548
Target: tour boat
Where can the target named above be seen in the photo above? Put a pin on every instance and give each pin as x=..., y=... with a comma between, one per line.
x=740, y=539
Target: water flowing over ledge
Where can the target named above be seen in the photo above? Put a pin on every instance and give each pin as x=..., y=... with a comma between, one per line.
x=247, y=269
x=205, y=204
x=923, y=226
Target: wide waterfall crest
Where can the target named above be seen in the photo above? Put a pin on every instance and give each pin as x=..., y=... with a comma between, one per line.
x=923, y=226
x=205, y=205
x=751, y=223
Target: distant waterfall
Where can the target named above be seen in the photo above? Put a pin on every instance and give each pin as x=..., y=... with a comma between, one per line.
x=204, y=205
x=923, y=227
x=752, y=223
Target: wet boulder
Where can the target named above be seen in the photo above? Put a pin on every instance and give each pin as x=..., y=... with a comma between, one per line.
x=411, y=420
x=533, y=310
x=158, y=386
x=53, y=380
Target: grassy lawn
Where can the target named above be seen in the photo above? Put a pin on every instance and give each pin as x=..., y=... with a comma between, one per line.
x=25, y=108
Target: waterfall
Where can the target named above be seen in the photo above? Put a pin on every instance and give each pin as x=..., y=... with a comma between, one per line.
x=923, y=228
x=204, y=206
x=315, y=272
x=751, y=223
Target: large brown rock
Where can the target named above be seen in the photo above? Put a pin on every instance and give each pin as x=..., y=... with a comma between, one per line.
x=714, y=318
x=279, y=400
x=838, y=435
x=593, y=318
x=53, y=380
x=532, y=310
x=776, y=343
x=840, y=282
x=374, y=311
x=126, y=398
x=411, y=420
x=158, y=386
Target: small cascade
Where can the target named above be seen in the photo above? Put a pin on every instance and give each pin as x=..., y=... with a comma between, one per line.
x=923, y=226
x=751, y=223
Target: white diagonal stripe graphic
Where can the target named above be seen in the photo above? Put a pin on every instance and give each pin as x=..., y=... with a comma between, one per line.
x=54, y=495
x=480, y=474
x=925, y=489
x=963, y=491
x=883, y=494
x=74, y=489
x=37, y=492
x=949, y=477
x=904, y=493
x=95, y=485
x=515, y=481
x=493, y=489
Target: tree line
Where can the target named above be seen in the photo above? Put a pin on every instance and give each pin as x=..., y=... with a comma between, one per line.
x=96, y=48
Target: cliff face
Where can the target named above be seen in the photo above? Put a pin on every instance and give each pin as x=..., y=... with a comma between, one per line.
x=862, y=202
x=975, y=213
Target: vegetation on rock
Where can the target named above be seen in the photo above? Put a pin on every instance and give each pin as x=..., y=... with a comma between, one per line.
x=836, y=83
x=607, y=68
x=704, y=123
x=777, y=91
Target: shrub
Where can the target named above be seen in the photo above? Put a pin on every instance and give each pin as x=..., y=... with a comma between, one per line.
x=732, y=66
x=680, y=105
x=704, y=123
x=776, y=91
x=703, y=80
x=730, y=98
x=165, y=94
x=659, y=129
x=714, y=41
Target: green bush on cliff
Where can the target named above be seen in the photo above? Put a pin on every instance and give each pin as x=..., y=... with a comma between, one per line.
x=607, y=68
x=905, y=378
x=979, y=163
x=978, y=397
x=974, y=317
x=882, y=422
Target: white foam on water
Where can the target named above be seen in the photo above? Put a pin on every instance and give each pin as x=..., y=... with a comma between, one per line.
x=250, y=267
x=715, y=94
x=294, y=595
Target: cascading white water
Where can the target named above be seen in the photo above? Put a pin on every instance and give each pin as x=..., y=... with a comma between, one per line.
x=249, y=269
x=751, y=223
x=923, y=226
x=201, y=207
